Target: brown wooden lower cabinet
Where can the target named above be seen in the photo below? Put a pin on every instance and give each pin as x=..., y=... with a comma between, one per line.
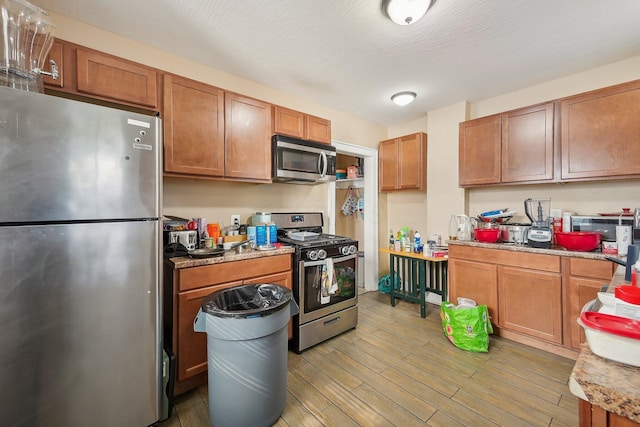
x=530, y=302
x=584, y=278
x=191, y=285
x=475, y=280
x=594, y=416
x=532, y=298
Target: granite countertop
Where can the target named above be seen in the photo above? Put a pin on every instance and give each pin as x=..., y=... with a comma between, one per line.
x=554, y=250
x=613, y=386
x=186, y=262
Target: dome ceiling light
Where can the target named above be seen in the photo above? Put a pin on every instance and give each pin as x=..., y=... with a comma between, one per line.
x=405, y=12
x=403, y=98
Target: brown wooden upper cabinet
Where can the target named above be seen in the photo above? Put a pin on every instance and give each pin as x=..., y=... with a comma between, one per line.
x=601, y=133
x=214, y=134
x=116, y=78
x=479, y=151
x=512, y=147
x=93, y=74
x=402, y=163
x=193, y=122
x=247, y=137
x=300, y=125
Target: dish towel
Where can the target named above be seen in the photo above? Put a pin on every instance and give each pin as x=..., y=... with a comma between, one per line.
x=329, y=282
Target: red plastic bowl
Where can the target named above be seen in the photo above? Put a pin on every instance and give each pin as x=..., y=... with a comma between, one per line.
x=581, y=241
x=487, y=235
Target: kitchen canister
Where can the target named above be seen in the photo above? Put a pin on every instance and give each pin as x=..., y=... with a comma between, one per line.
x=261, y=218
x=272, y=233
x=261, y=234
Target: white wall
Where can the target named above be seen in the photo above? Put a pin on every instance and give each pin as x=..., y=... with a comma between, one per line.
x=443, y=194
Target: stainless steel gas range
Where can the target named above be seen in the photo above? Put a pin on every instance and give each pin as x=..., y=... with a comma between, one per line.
x=324, y=278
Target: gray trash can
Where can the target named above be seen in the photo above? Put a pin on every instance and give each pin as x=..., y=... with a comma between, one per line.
x=247, y=348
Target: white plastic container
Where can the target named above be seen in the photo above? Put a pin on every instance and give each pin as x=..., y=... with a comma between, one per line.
x=612, y=337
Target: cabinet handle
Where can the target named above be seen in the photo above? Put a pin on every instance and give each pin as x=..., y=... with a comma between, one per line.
x=334, y=320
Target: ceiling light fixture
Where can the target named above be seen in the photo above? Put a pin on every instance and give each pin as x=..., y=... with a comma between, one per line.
x=406, y=12
x=403, y=98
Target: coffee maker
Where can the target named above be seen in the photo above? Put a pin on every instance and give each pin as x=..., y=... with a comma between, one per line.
x=539, y=212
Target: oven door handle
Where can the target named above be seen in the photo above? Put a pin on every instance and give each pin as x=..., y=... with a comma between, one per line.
x=324, y=261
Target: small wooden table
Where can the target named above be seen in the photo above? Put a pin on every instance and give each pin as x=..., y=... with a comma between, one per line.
x=415, y=275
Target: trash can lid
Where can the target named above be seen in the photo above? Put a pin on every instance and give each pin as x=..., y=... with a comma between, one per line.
x=247, y=300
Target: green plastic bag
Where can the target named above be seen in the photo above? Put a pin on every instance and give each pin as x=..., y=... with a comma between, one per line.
x=468, y=328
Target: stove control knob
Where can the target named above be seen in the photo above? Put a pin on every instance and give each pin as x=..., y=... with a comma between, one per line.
x=344, y=250
x=322, y=254
x=312, y=255
x=352, y=249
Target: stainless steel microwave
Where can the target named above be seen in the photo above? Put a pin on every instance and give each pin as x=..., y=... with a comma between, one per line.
x=302, y=162
x=605, y=225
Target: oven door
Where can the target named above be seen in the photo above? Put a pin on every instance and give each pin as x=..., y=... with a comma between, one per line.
x=343, y=292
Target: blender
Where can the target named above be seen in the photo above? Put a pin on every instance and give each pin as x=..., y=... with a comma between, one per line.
x=539, y=212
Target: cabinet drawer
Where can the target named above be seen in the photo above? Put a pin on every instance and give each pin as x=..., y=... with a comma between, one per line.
x=550, y=263
x=591, y=268
x=197, y=277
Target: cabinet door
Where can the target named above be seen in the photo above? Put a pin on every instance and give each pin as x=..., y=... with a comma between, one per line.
x=479, y=151
x=531, y=302
x=412, y=164
x=191, y=355
x=581, y=291
x=388, y=165
x=527, y=144
x=55, y=54
x=600, y=132
x=247, y=138
x=317, y=129
x=475, y=280
x=288, y=122
x=283, y=279
x=585, y=279
x=116, y=78
x=193, y=122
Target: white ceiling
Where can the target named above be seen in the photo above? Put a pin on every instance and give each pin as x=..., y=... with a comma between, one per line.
x=346, y=54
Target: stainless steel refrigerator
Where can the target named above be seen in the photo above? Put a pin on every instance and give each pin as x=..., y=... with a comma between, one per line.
x=80, y=253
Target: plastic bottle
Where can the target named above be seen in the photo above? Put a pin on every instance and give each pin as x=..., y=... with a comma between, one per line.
x=416, y=242
x=406, y=240
x=392, y=240
x=453, y=228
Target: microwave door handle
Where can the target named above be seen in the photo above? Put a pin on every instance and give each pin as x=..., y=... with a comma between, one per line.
x=322, y=164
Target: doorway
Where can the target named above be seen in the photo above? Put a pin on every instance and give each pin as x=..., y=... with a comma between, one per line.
x=369, y=191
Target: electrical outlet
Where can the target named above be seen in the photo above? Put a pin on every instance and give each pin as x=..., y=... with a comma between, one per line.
x=235, y=220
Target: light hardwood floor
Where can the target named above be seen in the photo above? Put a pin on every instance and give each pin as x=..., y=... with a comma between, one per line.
x=397, y=369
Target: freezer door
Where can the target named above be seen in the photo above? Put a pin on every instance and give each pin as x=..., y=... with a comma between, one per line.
x=64, y=160
x=79, y=312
